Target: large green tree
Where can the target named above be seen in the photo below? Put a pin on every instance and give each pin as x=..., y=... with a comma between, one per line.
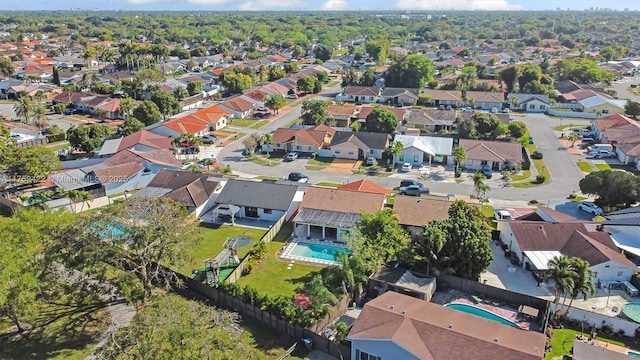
x=582, y=281
x=517, y=129
x=314, y=112
x=381, y=121
x=6, y=68
x=24, y=108
x=194, y=87
x=632, y=108
x=614, y=189
x=182, y=329
x=275, y=102
x=411, y=71
x=148, y=112
x=562, y=275
x=458, y=245
x=167, y=103
x=379, y=239
x=87, y=138
x=378, y=48
x=31, y=164
x=129, y=126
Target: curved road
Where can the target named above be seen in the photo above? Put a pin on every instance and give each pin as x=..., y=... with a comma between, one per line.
x=562, y=165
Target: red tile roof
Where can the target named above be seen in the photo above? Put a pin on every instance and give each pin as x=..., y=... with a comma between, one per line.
x=342, y=201
x=144, y=137
x=187, y=125
x=117, y=173
x=237, y=104
x=365, y=185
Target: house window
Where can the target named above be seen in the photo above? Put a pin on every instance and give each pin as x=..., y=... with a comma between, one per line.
x=605, y=111
x=310, y=148
x=372, y=152
x=280, y=146
x=416, y=158
x=267, y=211
x=543, y=107
x=619, y=273
x=483, y=162
x=337, y=151
x=361, y=355
x=251, y=212
x=350, y=152
x=532, y=106
x=401, y=158
x=298, y=147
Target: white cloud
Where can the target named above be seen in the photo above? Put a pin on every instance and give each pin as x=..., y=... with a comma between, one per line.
x=456, y=5
x=335, y=5
x=255, y=5
x=202, y=2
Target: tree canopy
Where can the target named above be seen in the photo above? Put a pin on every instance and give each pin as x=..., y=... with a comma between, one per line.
x=614, y=189
x=381, y=121
x=148, y=112
x=411, y=71
x=314, y=112
x=483, y=126
x=87, y=137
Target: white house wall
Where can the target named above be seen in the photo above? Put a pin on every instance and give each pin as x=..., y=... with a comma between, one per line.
x=385, y=349
x=411, y=155
x=612, y=271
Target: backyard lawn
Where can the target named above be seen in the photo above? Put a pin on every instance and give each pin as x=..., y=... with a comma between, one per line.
x=562, y=342
x=272, y=277
x=59, y=332
x=212, y=239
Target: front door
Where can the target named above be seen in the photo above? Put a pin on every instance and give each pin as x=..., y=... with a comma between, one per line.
x=251, y=212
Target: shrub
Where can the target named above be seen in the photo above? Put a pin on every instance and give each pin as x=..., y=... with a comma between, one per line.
x=540, y=179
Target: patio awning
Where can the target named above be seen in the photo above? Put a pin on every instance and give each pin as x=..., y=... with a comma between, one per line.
x=540, y=259
x=626, y=242
x=225, y=209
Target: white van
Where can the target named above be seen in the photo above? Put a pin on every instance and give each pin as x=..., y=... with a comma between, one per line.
x=597, y=147
x=503, y=215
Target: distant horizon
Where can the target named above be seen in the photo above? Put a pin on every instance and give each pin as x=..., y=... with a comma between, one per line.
x=321, y=5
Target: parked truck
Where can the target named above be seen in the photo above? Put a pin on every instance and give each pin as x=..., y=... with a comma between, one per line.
x=595, y=148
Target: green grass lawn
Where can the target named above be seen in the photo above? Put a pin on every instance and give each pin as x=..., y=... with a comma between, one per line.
x=322, y=161
x=542, y=169
x=58, y=145
x=59, y=332
x=584, y=166
x=243, y=122
x=328, y=184
x=604, y=166
x=264, y=161
x=272, y=276
x=562, y=342
x=272, y=346
x=525, y=175
x=211, y=243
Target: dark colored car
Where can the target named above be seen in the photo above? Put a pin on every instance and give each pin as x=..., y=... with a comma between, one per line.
x=409, y=182
x=536, y=155
x=299, y=177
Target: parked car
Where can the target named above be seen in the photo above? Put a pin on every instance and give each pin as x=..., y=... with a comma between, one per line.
x=487, y=172
x=409, y=182
x=406, y=167
x=370, y=161
x=604, y=154
x=468, y=109
x=209, y=139
x=536, y=155
x=186, y=165
x=261, y=108
x=413, y=190
x=292, y=96
x=291, y=156
x=588, y=206
x=503, y=215
x=530, y=139
x=299, y=177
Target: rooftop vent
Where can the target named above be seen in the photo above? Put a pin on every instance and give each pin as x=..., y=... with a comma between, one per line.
x=495, y=339
x=391, y=307
x=403, y=312
x=450, y=326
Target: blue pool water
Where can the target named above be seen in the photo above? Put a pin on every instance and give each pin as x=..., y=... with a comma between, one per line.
x=633, y=354
x=112, y=231
x=473, y=310
x=317, y=251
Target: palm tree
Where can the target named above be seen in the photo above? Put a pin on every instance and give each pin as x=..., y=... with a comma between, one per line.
x=40, y=118
x=352, y=274
x=320, y=298
x=479, y=187
x=275, y=102
x=126, y=106
x=561, y=273
x=24, y=108
x=396, y=149
x=582, y=281
x=267, y=139
x=180, y=93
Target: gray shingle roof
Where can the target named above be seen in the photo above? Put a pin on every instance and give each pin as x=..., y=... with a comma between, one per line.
x=265, y=195
x=327, y=218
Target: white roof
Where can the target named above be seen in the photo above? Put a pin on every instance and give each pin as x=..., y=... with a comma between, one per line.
x=597, y=100
x=110, y=147
x=625, y=241
x=428, y=144
x=540, y=259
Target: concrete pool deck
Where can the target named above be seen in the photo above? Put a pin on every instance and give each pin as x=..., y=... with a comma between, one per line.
x=287, y=255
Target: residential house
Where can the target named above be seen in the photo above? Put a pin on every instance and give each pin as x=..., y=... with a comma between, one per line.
x=413, y=213
x=255, y=200
x=365, y=185
x=116, y=77
x=623, y=133
x=238, y=107
x=340, y=115
x=486, y=100
x=397, y=326
x=445, y=98
x=195, y=190
x=536, y=242
x=366, y=110
x=274, y=88
x=360, y=94
x=498, y=155
x=142, y=140
x=332, y=214
x=184, y=125
x=358, y=145
x=401, y=96
x=68, y=97
x=531, y=103
x=569, y=87
x=5, y=85
x=89, y=104
x=216, y=117
x=257, y=96
x=624, y=227
x=302, y=140
x=431, y=120
x=127, y=170
x=602, y=105
x=418, y=150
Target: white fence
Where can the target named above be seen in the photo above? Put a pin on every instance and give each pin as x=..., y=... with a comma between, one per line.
x=616, y=323
x=572, y=114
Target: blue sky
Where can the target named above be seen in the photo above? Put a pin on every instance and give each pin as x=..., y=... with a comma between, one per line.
x=259, y=5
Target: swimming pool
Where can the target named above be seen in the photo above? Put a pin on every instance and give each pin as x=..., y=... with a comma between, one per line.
x=315, y=252
x=632, y=311
x=474, y=310
x=633, y=354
